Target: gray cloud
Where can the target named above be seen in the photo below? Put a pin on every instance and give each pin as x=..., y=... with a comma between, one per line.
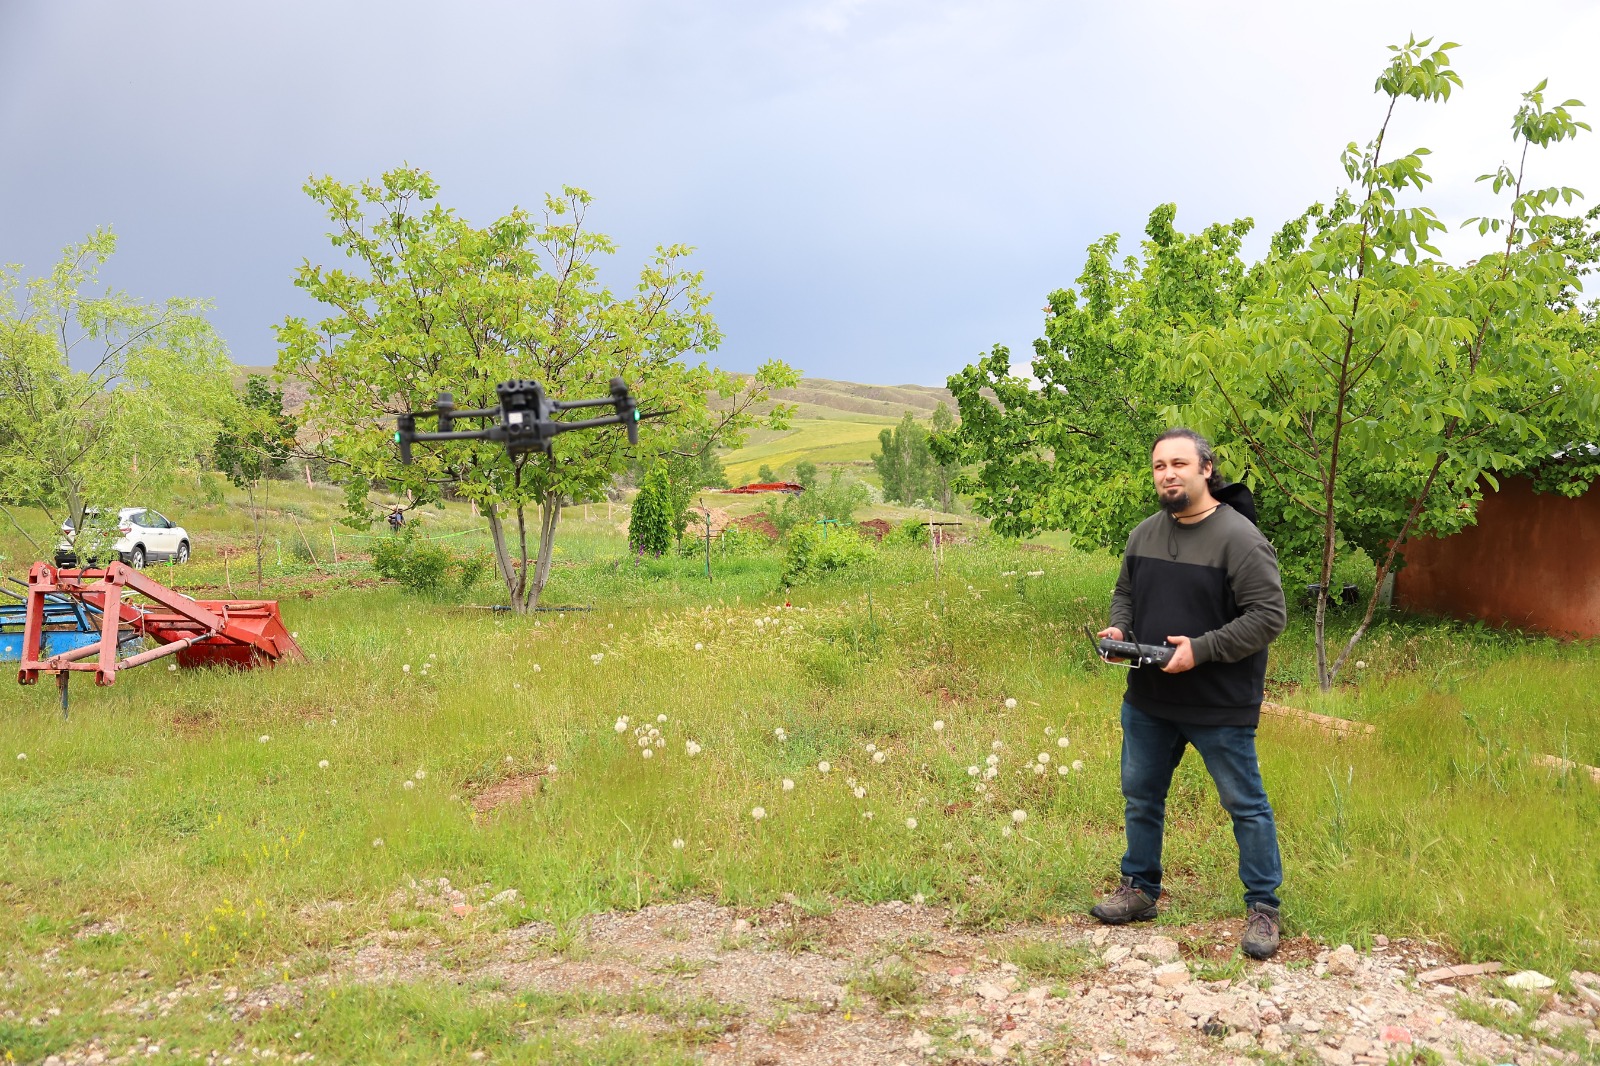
x=879, y=190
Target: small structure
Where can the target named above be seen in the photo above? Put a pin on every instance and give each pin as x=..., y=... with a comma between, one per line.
x=1531, y=561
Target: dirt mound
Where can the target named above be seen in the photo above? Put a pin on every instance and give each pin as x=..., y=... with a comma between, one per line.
x=876, y=528
x=508, y=790
x=756, y=523
x=720, y=519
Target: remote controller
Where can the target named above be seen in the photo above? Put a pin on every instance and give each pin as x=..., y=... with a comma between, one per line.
x=1137, y=654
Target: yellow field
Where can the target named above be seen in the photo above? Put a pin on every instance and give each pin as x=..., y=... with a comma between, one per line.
x=845, y=439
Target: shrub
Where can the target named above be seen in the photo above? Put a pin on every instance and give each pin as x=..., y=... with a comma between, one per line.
x=652, y=525
x=417, y=564
x=808, y=554
x=907, y=535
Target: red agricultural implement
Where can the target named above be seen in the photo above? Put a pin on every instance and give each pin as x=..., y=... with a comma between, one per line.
x=239, y=633
x=791, y=487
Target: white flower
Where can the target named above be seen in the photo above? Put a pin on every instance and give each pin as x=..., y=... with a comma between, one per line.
x=788, y=785
x=661, y=718
x=1043, y=757
x=692, y=749
x=420, y=774
x=699, y=646
x=537, y=668
x=1005, y=830
x=408, y=784
x=510, y=760
x=992, y=760
x=867, y=815
x=1063, y=769
x=433, y=655
x=1036, y=573
x=850, y=782
x=919, y=899
x=779, y=733
x=1077, y=764
x=938, y=726
x=860, y=792
x=1063, y=742
x=647, y=753
x=323, y=765
x=333, y=721
x=677, y=844
x=980, y=787
x=22, y=756
x=263, y=738
x=973, y=771
x=621, y=726
x=996, y=746
x=172, y=668
x=911, y=823
x=991, y=773
x=879, y=756
x=294, y=636
x=1361, y=664
x=1011, y=703
x=823, y=767
x=378, y=843
x=661, y=742
x=406, y=669
x=1039, y=768
x=758, y=813
x=871, y=748
x=550, y=769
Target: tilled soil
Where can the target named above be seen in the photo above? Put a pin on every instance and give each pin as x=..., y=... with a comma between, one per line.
x=899, y=983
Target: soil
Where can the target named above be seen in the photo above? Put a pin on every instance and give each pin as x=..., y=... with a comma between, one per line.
x=900, y=983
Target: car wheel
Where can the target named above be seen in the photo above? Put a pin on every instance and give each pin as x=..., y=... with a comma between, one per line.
x=136, y=557
x=183, y=551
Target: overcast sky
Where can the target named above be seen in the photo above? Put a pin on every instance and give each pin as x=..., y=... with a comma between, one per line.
x=878, y=190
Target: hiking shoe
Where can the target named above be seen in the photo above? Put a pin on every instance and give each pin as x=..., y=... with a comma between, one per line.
x=1262, y=928
x=1126, y=904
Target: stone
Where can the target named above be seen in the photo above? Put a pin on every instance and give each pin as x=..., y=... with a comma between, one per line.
x=1381, y=941
x=1343, y=961
x=1357, y=1045
x=504, y=899
x=1115, y=954
x=1172, y=975
x=1200, y=1005
x=1529, y=980
x=1036, y=995
x=1133, y=966
x=992, y=992
x=1238, y=1041
x=1241, y=1017
x=1335, y=1056
x=918, y=1040
x=1158, y=949
x=1395, y=1034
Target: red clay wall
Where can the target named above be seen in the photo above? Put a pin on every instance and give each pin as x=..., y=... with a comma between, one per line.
x=1532, y=561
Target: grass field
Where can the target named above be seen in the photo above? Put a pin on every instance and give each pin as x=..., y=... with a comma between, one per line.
x=841, y=439
x=233, y=830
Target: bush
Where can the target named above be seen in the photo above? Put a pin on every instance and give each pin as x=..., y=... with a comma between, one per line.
x=808, y=554
x=419, y=565
x=652, y=525
x=907, y=535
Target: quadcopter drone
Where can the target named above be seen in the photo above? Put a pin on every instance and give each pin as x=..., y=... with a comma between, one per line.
x=523, y=422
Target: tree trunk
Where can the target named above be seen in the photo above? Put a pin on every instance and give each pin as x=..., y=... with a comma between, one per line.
x=549, y=516
x=509, y=574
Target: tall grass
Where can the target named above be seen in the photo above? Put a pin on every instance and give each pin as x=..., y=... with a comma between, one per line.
x=180, y=823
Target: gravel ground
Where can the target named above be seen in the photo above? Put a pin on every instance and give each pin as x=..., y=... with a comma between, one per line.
x=898, y=983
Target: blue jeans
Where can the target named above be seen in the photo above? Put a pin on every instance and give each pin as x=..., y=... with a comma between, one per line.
x=1151, y=750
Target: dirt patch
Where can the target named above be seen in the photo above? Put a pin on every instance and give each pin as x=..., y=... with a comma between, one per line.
x=508, y=790
x=876, y=528
x=757, y=523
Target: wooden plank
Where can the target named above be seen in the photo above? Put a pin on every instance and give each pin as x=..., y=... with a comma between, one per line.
x=1340, y=727
x=1557, y=763
x=1450, y=973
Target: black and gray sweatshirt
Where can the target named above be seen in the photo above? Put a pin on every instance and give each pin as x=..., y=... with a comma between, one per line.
x=1215, y=581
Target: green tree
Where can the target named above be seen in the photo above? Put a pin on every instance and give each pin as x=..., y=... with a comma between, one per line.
x=437, y=304
x=1373, y=386
x=256, y=439
x=1070, y=450
x=906, y=463
x=655, y=519
x=102, y=397
x=765, y=476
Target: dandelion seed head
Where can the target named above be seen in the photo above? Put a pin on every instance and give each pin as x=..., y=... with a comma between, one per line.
x=551, y=768
x=996, y=746
x=1077, y=764
x=406, y=668
x=992, y=760
x=408, y=784
x=510, y=760
x=537, y=668
x=991, y=773
x=919, y=899
x=322, y=765
x=172, y=668
x=677, y=844
x=911, y=823
x=938, y=726
x=1039, y=768
x=420, y=774
x=621, y=726
x=859, y=792
x=1011, y=703
x=648, y=753
x=334, y=721
x=699, y=646
x=1063, y=742
x=758, y=813
x=1005, y=830
x=22, y=756
x=661, y=718
x=1063, y=769
x=867, y=815
x=973, y=771
x=788, y=785
x=879, y=756
x=691, y=749
x=263, y=738
x=660, y=742
x=377, y=842
x=823, y=767
x=1361, y=664
x=1043, y=757
x=871, y=748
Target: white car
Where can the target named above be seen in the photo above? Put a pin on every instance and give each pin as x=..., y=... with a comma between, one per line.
x=142, y=536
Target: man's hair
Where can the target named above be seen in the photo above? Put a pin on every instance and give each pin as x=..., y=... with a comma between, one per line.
x=1202, y=448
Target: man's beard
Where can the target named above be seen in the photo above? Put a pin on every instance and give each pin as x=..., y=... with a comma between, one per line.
x=1174, y=505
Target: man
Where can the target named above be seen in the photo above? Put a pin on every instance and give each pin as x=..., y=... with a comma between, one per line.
x=1199, y=576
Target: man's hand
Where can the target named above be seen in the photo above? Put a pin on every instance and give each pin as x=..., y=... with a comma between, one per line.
x=1115, y=634
x=1182, y=656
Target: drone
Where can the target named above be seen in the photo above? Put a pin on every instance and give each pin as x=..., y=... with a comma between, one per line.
x=523, y=422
